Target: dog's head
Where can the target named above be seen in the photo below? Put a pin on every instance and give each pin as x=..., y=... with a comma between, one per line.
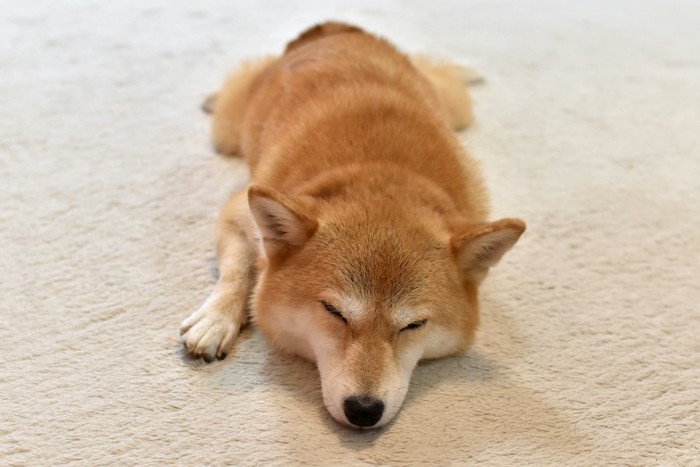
x=367, y=292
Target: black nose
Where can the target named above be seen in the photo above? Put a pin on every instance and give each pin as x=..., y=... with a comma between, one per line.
x=363, y=410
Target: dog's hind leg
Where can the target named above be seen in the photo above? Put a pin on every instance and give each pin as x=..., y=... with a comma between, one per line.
x=449, y=82
x=211, y=330
x=209, y=104
x=228, y=106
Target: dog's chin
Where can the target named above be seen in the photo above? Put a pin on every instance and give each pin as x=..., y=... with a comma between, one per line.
x=343, y=421
x=336, y=411
x=383, y=422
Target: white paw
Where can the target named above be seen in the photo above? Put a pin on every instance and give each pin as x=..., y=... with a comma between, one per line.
x=209, y=333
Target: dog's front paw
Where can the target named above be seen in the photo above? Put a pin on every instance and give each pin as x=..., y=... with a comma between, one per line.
x=209, y=333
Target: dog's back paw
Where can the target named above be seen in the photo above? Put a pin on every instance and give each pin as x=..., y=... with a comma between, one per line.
x=449, y=82
x=209, y=104
x=471, y=75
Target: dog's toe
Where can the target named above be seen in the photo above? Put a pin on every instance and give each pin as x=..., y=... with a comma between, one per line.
x=209, y=334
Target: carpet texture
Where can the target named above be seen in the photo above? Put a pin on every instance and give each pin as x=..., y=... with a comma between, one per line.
x=588, y=127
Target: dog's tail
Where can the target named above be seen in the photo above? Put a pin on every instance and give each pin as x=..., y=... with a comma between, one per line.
x=328, y=28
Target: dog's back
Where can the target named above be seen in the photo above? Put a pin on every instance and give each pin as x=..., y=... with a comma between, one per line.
x=340, y=96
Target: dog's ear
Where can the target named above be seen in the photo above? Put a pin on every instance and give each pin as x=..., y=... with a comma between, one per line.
x=282, y=222
x=482, y=246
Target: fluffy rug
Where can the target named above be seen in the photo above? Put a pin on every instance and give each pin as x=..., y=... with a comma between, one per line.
x=587, y=127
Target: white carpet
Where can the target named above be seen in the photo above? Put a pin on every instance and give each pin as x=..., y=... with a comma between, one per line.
x=588, y=127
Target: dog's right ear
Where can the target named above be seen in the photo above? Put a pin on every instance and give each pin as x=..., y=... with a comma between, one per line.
x=281, y=220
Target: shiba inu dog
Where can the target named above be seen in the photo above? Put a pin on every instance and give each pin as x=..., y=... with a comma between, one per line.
x=363, y=235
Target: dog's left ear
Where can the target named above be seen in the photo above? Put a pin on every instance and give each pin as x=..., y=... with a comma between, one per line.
x=282, y=222
x=482, y=246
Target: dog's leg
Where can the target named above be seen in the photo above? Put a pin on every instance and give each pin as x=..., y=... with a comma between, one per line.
x=211, y=330
x=209, y=104
x=449, y=82
x=229, y=104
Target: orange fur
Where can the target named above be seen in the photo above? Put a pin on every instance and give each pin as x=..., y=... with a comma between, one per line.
x=360, y=195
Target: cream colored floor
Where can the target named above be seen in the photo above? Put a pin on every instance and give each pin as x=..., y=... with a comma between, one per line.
x=588, y=127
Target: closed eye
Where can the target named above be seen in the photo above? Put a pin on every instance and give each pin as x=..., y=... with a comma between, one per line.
x=334, y=311
x=415, y=325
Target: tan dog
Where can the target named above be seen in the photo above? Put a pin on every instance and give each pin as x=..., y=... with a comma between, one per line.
x=362, y=238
